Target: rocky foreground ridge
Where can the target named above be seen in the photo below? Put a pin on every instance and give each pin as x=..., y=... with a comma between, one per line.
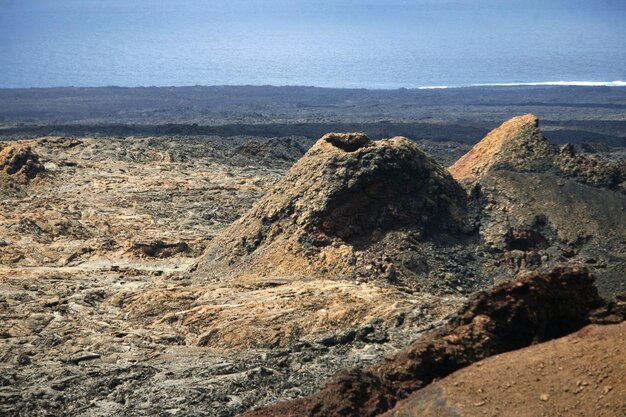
x=578, y=375
x=129, y=287
x=511, y=316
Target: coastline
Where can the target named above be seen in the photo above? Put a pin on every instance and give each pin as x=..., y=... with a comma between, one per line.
x=560, y=83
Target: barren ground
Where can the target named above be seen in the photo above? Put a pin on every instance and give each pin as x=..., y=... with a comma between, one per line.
x=99, y=316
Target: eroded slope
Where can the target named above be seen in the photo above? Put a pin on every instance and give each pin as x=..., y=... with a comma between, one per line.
x=583, y=374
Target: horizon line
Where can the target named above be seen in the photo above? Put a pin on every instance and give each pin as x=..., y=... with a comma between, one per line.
x=615, y=83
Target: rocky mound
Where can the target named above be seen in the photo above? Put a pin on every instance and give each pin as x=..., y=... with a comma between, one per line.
x=517, y=144
x=346, y=199
x=583, y=374
x=20, y=162
x=520, y=185
x=511, y=316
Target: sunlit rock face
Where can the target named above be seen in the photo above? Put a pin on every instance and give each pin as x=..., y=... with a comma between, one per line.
x=517, y=144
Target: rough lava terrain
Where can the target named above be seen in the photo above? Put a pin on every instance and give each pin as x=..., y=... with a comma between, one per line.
x=210, y=276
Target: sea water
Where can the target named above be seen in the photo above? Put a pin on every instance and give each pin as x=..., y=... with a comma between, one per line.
x=340, y=43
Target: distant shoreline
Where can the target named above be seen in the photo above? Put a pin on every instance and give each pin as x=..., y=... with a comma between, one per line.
x=616, y=83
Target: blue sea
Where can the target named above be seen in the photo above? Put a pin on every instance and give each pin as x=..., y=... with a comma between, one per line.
x=339, y=43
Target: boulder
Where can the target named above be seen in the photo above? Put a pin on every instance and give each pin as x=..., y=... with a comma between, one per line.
x=20, y=161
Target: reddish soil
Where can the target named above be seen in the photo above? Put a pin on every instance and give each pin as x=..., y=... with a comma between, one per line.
x=583, y=374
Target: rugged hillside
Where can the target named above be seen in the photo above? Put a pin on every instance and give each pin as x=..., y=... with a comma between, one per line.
x=539, y=206
x=384, y=211
x=528, y=310
x=349, y=208
x=96, y=307
x=342, y=261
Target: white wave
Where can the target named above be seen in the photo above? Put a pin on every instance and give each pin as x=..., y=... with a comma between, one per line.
x=564, y=83
x=617, y=83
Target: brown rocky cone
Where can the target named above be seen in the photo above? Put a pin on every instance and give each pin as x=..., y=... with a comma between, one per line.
x=343, y=196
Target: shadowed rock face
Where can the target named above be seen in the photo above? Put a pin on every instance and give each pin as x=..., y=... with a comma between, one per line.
x=345, y=194
x=513, y=315
x=20, y=161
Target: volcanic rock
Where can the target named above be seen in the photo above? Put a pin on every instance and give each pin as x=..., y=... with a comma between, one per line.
x=83, y=273
x=528, y=310
x=591, y=170
x=160, y=249
x=20, y=161
x=276, y=149
x=517, y=144
x=344, y=197
x=540, y=207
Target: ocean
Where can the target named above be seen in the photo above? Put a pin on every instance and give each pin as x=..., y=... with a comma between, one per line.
x=341, y=43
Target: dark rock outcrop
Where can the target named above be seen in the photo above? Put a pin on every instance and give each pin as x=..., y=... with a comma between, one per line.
x=160, y=249
x=20, y=161
x=513, y=315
